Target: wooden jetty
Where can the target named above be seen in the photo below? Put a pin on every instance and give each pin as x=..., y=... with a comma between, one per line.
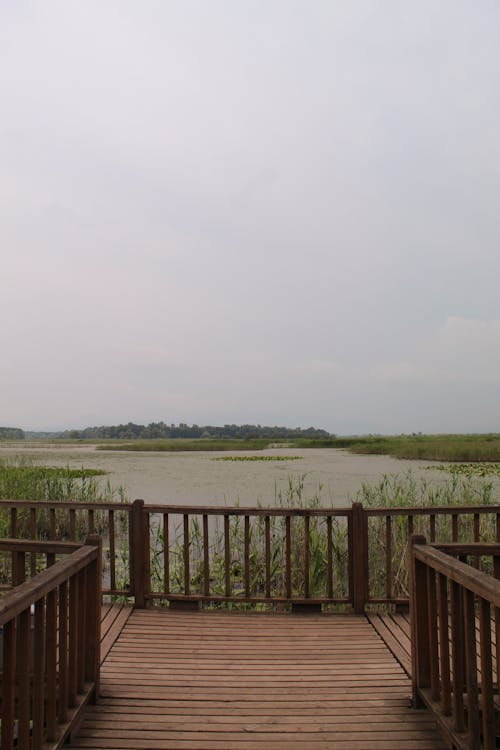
x=305, y=674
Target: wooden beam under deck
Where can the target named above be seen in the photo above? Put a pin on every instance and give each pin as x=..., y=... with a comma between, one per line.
x=220, y=681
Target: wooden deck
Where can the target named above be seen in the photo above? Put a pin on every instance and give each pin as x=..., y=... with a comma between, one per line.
x=250, y=681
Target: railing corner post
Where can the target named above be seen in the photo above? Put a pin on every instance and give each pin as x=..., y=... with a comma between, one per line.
x=359, y=552
x=419, y=622
x=140, y=554
x=94, y=603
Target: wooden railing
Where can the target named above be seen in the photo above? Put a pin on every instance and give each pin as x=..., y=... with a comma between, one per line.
x=245, y=555
x=389, y=529
x=353, y=556
x=455, y=620
x=51, y=635
x=74, y=522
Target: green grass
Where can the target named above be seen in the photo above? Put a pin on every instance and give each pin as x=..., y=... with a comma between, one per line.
x=392, y=491
x=462, y=448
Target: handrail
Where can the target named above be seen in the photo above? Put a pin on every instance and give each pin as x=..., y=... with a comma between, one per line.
x=254, y=553
x=452, y=668
x=151, y=542
x=51, y=645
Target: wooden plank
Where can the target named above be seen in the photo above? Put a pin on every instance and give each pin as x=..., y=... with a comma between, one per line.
x=120, y=613
x=252, y=682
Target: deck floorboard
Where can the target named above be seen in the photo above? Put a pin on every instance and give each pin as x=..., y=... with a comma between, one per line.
x=224, y=681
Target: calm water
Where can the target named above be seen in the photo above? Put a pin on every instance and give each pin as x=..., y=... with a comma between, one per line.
x=195, y=478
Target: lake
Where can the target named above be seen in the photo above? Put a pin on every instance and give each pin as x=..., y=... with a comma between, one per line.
x=195, y=478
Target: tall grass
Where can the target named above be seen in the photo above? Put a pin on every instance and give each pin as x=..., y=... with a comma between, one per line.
x=24, y=478
x=406, y=491
x=392, y=491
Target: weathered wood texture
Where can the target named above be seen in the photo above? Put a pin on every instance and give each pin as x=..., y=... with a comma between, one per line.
x=253, y=681
x=453, y=610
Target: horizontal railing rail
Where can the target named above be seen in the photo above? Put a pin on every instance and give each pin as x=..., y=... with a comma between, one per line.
x=355, y=556
x=50, y=627
x=455, y=626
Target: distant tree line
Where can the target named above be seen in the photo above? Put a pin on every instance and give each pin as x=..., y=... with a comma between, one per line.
x=157, y=430
x=11, y=433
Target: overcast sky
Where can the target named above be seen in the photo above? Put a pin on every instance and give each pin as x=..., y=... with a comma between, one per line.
x=276, y=212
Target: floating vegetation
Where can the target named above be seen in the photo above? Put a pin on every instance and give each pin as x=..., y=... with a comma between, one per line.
x=481, y=469
x=257, y=458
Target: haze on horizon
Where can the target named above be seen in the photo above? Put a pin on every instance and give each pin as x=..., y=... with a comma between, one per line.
x=276, y=213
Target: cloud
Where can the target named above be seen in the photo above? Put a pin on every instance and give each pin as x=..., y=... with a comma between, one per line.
x=462, y=350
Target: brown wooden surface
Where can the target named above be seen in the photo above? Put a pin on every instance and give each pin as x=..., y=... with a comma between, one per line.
x=251, y=681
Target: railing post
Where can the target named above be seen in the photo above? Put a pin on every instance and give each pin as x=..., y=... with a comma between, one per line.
x=93, y=602
x=140, y=554
x=419, y=623
x=359, y=555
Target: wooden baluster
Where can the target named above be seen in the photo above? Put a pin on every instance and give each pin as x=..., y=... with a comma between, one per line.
x=73, y=642
x=33, y=534
x=187, y=572
x=411, y=525
x=206, y=557
x=454, y=527
x=267, y=532
x=52, y=523
x=13, y=535
x=457, y=656
x=8, y=684
x=475, y=559
x=51, y=665
x=433, y=633
x=20, y=568
x=473, y=722
x=247, y=556
x=419, y=621
x=329, y=555
x=496, y=573
x=358, y=536
x=388, y=557
x=63, y=653
x=432, y=527
x=444, y=645
x=39, y=675
x=288, y=556
x=488, y=710
x=24, y=654
x=227, y=557
x=166, y=553
x=91, y=519
x=72, y=524
x=93, y=596
x=140, y=553
x=82, y=629
x=306, y=555
x=112, y=560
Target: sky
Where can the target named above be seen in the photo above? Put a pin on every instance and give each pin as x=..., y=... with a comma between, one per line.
x=272, y=212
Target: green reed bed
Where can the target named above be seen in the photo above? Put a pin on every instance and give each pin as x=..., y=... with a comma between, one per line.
x=406, y=491
x=391, y=492
x=292, y=497
x=180, y=444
